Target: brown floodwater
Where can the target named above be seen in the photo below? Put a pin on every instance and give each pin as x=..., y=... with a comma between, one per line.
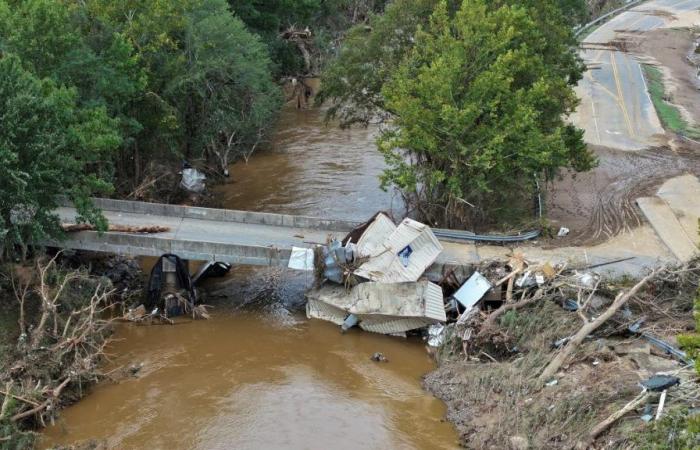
x=310, y=168
x=259, y=375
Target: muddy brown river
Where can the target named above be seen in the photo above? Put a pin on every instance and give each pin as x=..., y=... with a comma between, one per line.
x=259, y=375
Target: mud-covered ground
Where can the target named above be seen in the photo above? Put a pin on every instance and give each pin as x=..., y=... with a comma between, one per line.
x=600, y=204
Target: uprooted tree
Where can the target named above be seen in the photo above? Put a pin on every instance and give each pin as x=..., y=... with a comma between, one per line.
x=62, y=337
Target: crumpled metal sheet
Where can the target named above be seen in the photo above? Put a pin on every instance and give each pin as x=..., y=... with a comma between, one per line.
x=380, y=308
x=386, y=266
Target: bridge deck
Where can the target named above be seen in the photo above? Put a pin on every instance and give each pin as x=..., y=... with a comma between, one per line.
x=240, y=237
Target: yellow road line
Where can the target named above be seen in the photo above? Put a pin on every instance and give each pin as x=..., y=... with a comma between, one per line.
x=599, y=85
x=620, y=95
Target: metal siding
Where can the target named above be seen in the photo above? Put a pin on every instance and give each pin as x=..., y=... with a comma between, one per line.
x=381, y=308
x=386, y=266
x=373, y=237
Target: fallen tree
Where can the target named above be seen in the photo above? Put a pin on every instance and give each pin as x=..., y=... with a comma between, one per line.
x=590, y=326
x=62, y=339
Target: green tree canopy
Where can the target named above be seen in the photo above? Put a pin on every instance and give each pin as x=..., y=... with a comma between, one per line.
x=225, y=92
x=49, y=146
x=477, y=96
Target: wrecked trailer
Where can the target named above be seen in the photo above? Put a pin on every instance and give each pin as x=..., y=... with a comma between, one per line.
x=379, y=307
x=400, y=256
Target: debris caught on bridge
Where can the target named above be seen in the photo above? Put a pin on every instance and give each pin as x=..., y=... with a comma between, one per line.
x=301, y=259
x=192, y=179
x=211, y=269
x=402, y=256
x=374, y=275
x=145, y=229
x=170, y=293
x=386, y=308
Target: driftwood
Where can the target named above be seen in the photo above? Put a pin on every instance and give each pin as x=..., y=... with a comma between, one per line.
x=146, y=229
x=72, y=340
x=614, y=417
x=54, y=394
x=590, y=327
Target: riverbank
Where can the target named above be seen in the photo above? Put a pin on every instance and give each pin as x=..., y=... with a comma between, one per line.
x=496, y=400
x=56, y=328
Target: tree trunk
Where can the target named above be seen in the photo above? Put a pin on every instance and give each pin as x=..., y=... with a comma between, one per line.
x=590, y=327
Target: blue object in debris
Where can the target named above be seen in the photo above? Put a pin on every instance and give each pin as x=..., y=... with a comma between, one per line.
x=404, y=254
x=350, y=321
x=570, y=305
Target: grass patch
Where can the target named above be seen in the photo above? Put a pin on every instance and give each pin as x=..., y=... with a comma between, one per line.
x=669, y=114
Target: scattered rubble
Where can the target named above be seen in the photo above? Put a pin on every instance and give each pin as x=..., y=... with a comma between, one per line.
x=568, y=349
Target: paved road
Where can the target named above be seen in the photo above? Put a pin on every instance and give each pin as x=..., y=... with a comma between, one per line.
x=616, y=110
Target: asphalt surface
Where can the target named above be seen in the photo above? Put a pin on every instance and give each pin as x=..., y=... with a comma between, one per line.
x=643, y=246
x=616, y=110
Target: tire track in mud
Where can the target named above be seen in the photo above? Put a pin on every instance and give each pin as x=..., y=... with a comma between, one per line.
x=601, y=204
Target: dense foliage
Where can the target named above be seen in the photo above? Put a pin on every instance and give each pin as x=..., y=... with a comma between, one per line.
x=101, y=88
x=477, y=96
x=49, y=145
x=328, y=20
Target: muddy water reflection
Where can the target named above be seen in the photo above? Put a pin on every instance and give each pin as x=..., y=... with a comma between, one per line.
x=312, y=169
x=254, y=379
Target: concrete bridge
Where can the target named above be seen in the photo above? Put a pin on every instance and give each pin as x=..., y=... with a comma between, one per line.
x=241, y=237
x=237, y=237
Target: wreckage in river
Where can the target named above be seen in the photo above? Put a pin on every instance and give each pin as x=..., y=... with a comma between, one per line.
x=388, y=308
x=384, y=265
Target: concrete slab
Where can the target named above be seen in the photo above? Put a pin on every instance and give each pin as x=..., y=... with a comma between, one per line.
x=682, y=194
x=668, y=227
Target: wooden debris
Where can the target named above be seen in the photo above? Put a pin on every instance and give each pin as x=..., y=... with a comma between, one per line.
x=145, y=229
x=590, y=327
x=614, y=417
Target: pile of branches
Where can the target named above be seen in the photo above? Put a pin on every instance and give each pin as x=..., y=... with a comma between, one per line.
x=63, y=334
x=657, y=307
x=144, y=229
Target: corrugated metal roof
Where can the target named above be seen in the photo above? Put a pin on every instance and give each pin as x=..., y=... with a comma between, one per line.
x=376, y=233
x=392, y=325
x=316, y=309
x=380, y=307
x=386, y=266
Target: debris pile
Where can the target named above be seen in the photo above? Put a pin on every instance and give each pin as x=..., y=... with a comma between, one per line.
x=171, y=292
x=573, y=350
x=372, y=279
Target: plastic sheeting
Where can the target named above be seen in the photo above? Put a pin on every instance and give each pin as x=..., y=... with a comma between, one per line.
x=193, y=180
x=301, y=259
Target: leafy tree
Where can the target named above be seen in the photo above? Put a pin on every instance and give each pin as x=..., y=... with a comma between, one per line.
x=209, y=90
x=327, y=19
x=49, y=146
x=370, y=54
x=477, y=98
x=369, y=57
x=226, y=95
x=478, y=110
